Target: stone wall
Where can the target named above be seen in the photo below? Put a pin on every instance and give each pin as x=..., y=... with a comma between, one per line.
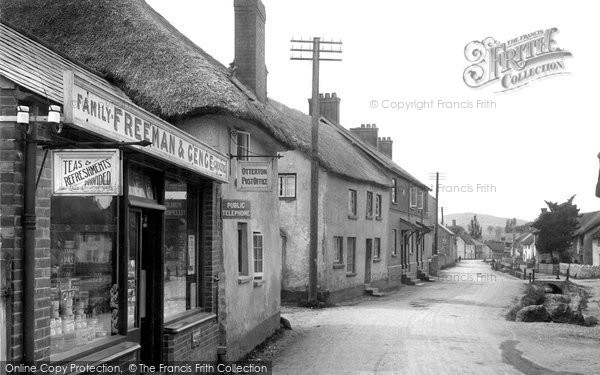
x=580, y=271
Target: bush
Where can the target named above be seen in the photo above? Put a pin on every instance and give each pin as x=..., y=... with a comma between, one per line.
x=534, y=295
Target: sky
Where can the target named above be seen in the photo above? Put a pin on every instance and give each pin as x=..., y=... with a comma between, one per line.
x=539, y=142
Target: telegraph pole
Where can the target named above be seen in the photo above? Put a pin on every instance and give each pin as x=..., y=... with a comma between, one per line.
x=316, y=51
x=437, y=203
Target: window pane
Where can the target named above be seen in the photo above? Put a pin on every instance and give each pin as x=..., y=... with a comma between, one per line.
x=180, y=249
x=291, y=186
x=83, y=296
x=258, y=253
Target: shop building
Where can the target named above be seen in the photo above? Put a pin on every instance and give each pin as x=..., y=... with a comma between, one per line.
x=113, y=245
x=228, y=110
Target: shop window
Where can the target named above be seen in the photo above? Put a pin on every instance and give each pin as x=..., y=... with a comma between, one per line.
x=287, y=185
x=84, y=296
x=338, y=249
x=242, y=229
x=243, y=145
x=352, y=203
x=369, y=204
x=181, y=223
x=377, y=248
x=351, y=255
x=257, y=244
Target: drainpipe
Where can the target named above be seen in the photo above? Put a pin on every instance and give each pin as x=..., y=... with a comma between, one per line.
x=29, y=226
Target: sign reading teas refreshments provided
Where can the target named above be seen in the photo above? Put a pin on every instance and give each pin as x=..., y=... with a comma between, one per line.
x=104, y=113
x=254, y=175
x=235, y=209
x=87, y=172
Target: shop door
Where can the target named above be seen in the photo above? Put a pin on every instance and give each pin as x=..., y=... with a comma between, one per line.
x=368, y=260
x=144, y=240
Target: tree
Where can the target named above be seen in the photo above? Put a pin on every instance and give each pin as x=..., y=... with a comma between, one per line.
x=457, y=229
x=556, y=226
x=475, y=228
x=498, y=231
x=490, y=229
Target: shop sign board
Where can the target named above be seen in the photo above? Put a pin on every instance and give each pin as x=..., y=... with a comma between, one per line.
x=235, y=209
x=87, y=172
x=254, y=175
x=104, y=113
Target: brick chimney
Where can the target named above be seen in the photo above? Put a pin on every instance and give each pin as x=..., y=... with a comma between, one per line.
x=329, y=107
x=250, y=19
x=367, y=133
x=384, y=145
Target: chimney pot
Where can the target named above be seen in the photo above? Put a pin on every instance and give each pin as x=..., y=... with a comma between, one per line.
x=334, y=95
x=362, y=125
x=453, y=222
x=327, y=95
x=320, y=95
x=374, y=125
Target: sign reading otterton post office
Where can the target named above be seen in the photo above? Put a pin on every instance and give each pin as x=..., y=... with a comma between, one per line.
x=254, y=176
x=104, y=113
x=235, y=209
x=87, y=172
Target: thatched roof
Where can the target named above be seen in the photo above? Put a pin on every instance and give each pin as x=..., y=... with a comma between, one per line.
x=587, y=222
x=161, y=70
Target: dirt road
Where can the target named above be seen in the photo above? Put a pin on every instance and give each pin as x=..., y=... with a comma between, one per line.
x=452, y=326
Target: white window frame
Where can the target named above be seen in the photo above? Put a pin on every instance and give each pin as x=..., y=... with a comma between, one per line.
x=420, y=199
x=338, y=248
x=394, y=190
x=378, y=203
x=352, y=202
x=283, y=189
x=369, y=204
x=259, y=254
x=413, y=197
x=395, y=244
x=245, y=149
x=351, y=255
x=377, y=248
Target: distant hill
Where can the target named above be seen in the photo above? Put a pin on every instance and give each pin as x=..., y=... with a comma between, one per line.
x=464, y=219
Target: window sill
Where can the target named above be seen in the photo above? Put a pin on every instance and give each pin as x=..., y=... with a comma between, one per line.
x=245, y=279
x=376, y=260
x=394, y=255
x=352, y=217
x=258, y=283
x=190, y=322
x=337, y=266
x=182, y=315
x=350, y=274
x=369, y=217
x=287, y=198
x=379, y=218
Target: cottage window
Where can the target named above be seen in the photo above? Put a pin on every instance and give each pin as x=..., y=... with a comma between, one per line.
x=394, y=191
x=378, y=206
x=287, y=185
x=369, y=204
x=377, y=248
x=420, y=200
x=413, y=197
x=338, y=249
x=242, y=243
x=351, y=255
x=352, y=202
x=257, y=241
x=243, y=145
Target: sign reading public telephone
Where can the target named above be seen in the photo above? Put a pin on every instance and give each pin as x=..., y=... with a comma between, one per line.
x=87, y=172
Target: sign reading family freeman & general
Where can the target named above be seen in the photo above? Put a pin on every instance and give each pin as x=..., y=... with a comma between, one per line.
x=106, y=114
x=254, y=175
x=235, y=209
x=87, y=172
x=514, y=63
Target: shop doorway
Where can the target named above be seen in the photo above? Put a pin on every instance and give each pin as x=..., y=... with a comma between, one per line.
x=145, y=263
